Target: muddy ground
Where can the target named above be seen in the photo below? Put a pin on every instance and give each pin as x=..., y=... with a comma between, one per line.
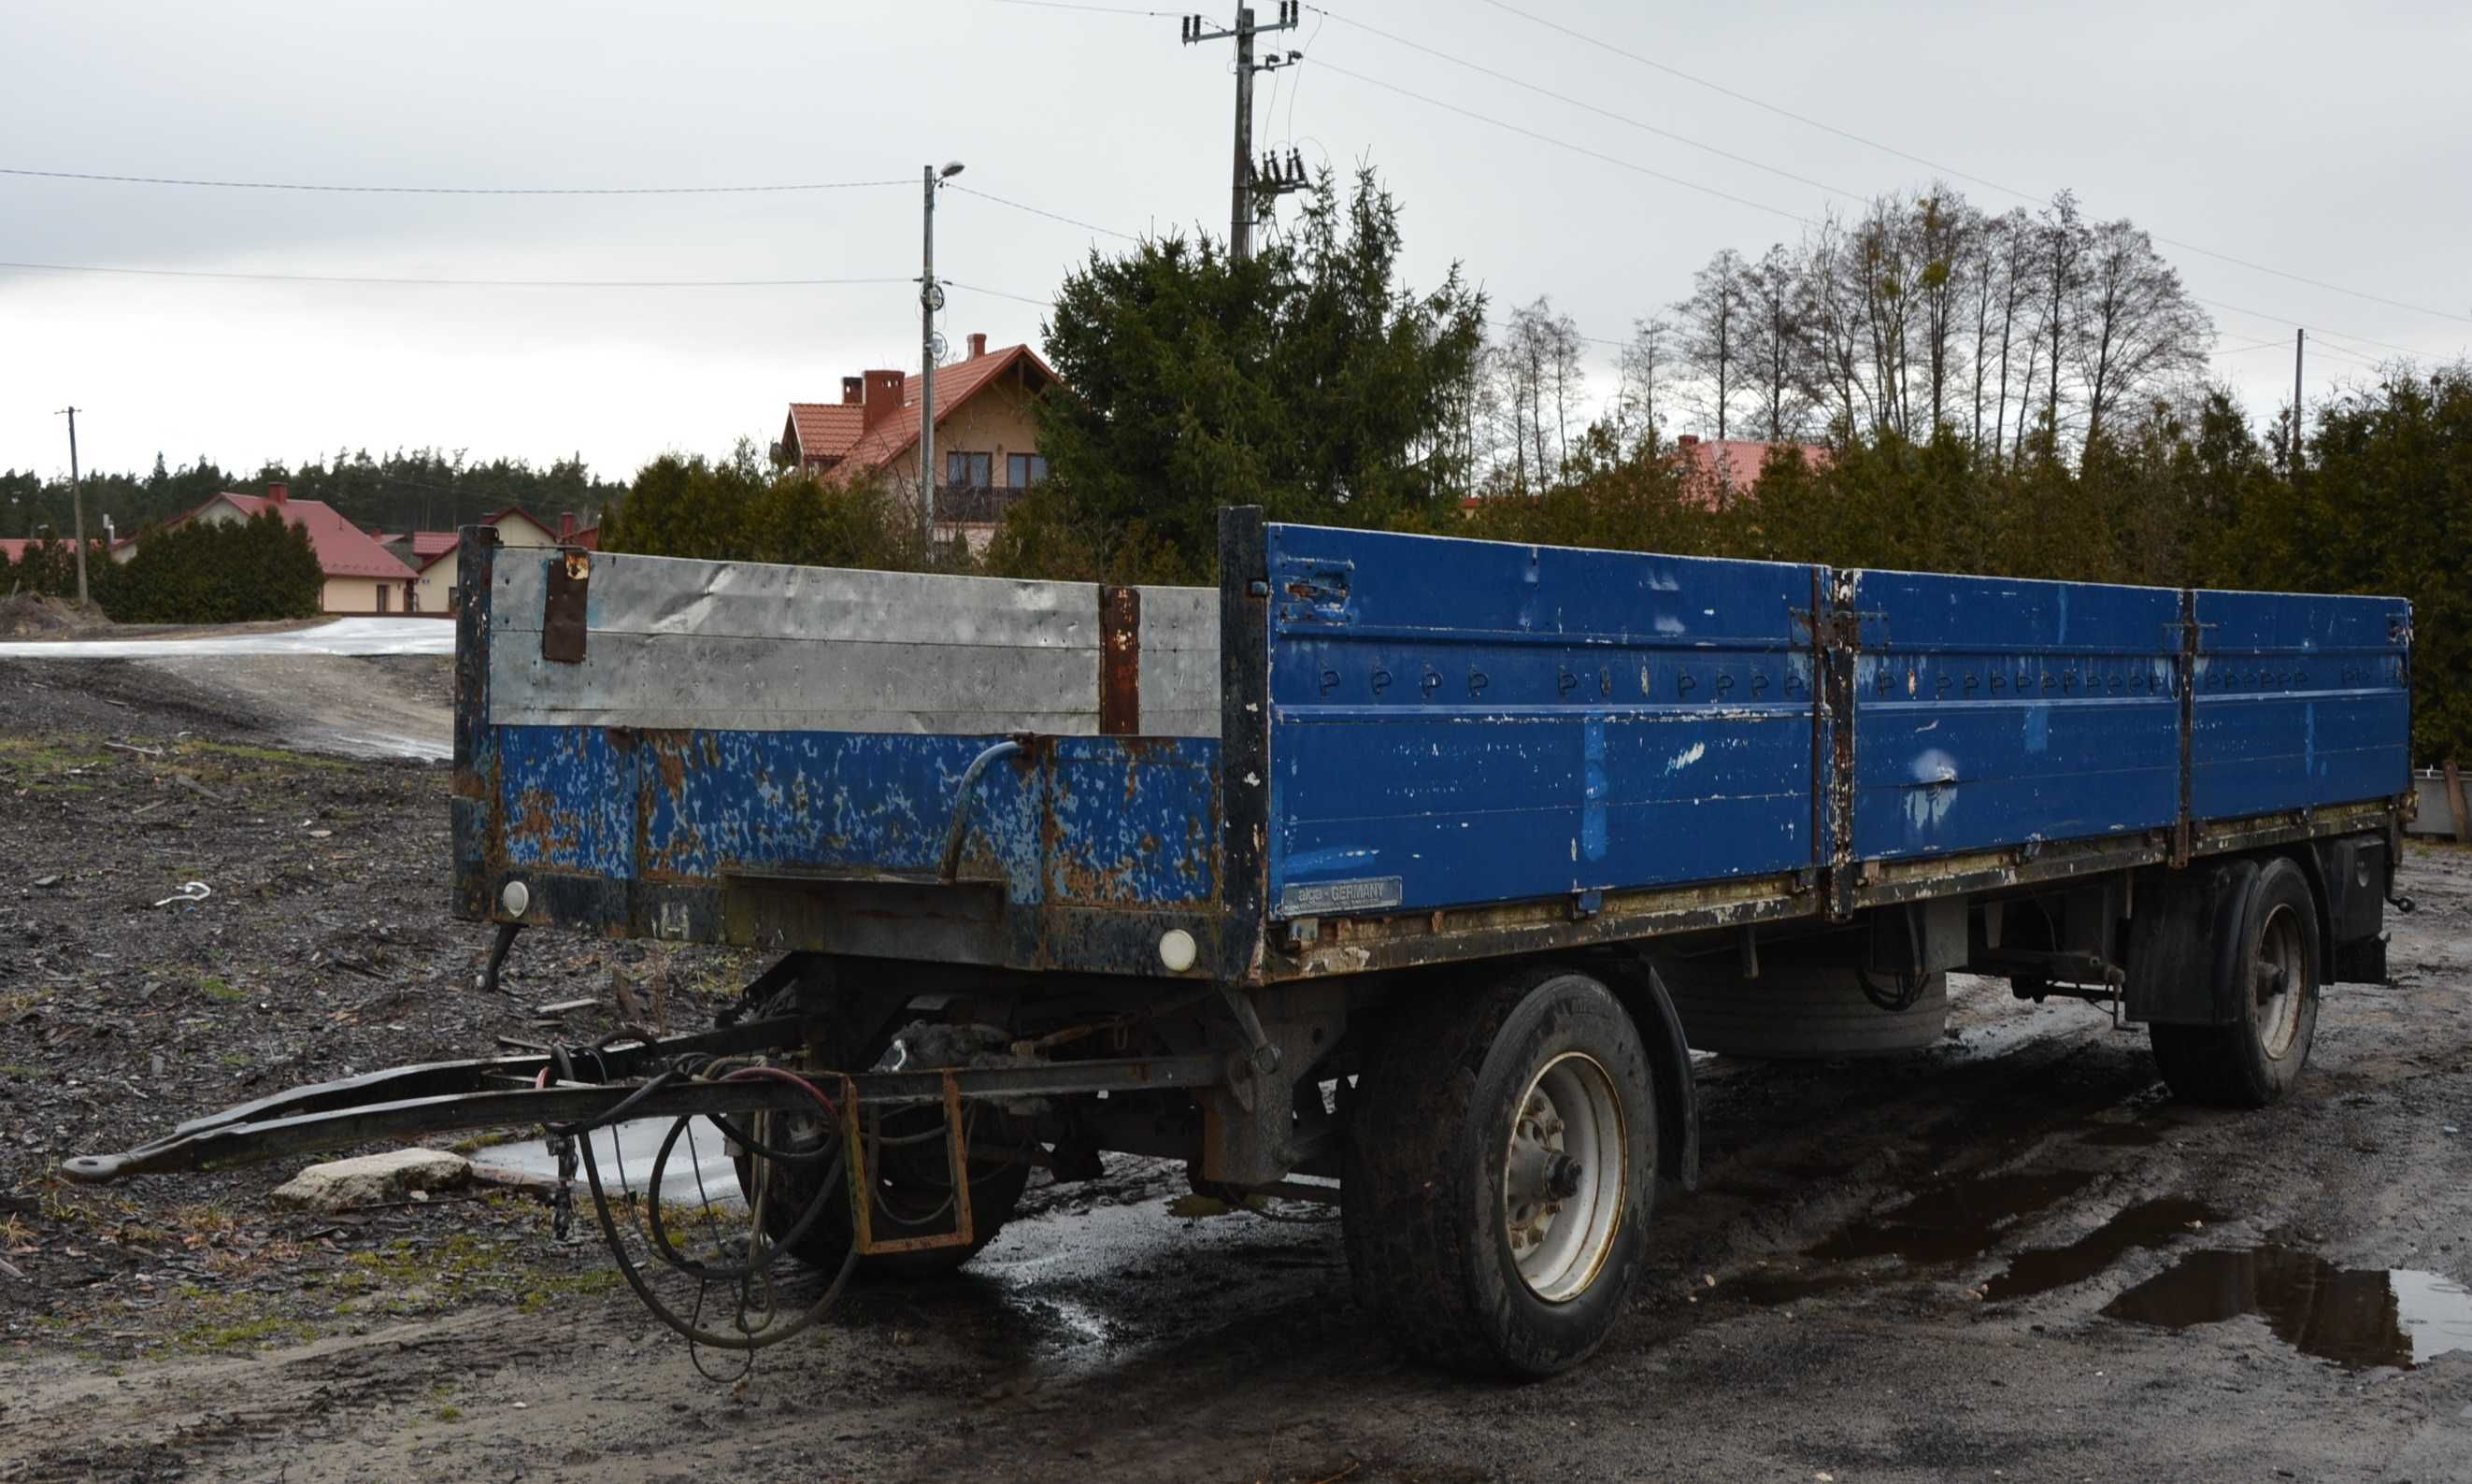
x=2006, y=1258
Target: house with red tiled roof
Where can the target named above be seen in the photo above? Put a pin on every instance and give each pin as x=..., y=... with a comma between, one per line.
x=986, y=441
x=362, y=576
x=1718, y=471
x=435, y=558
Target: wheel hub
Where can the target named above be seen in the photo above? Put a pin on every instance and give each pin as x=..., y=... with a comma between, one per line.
x=2279, y=982
x=1563, y=1176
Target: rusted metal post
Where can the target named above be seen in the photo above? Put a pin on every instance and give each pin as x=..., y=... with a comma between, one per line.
x=1120, y=661
x=2455, y=801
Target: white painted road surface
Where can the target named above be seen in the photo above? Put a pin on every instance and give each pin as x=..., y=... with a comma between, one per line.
x=343, y=636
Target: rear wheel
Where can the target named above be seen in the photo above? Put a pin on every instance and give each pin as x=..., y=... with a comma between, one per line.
x=2255, y=1060
x=1500, y=1173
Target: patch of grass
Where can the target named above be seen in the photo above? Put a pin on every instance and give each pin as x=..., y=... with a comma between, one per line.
x=255, y=1332
x=549, y=1290
x=450, y=1413
x=41, y=763
x=42, y=755
x=23, y=1073
x=216, y=987
x=202, y=1220
x=236, y=1060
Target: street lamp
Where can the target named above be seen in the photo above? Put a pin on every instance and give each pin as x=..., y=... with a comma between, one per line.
x=931, y=298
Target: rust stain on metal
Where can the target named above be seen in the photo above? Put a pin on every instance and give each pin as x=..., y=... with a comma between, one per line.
x=540, y=822
x=667, y=750
x=563, y=613
x=1120, y=661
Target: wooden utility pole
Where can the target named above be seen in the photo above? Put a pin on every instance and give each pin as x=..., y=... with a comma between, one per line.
x=1241, y=188
x=2299, y=343
x=931, y=298
x=77, y=503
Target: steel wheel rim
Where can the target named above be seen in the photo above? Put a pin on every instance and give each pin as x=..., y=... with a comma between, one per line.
x=2279, y=982
x=1565, y=1173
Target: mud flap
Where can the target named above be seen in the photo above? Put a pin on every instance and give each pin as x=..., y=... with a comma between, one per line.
x=2184, y=944
x=1642, y=992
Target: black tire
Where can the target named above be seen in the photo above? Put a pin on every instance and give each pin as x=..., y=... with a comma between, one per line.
x=1426, y=1192
x=2256, y=1059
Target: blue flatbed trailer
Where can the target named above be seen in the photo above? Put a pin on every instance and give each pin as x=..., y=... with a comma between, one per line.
x=1416, y=863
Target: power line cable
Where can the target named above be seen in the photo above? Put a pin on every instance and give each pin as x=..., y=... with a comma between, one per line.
x=454, y=283
x=1037, y=211
x=455, y=190
x=2041, y=198
x=1576, y=103
x=1074, y=5
x=1610, y=159
x=998, y=292
x=1565, y=144
x=2303, y=325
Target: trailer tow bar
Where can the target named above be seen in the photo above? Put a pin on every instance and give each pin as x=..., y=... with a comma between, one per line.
x=633, y=1075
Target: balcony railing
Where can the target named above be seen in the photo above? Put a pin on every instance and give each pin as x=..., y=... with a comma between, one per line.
x=974, y=504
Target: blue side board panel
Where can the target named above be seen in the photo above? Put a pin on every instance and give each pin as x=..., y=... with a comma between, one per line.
x=2299, y=701
x=1101, y=820
x=1459, y=723
x=1992, y=711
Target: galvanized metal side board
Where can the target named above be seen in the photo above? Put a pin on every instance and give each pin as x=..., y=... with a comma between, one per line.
x=774, y=756
x=1369, y=750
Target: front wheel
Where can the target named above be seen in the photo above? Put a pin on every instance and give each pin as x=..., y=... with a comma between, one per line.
x=1500, y=1173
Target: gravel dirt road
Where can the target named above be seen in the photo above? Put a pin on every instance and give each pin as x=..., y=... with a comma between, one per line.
x=2005, y=1258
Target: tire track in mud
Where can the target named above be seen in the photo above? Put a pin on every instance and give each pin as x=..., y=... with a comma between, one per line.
x=195, y=1414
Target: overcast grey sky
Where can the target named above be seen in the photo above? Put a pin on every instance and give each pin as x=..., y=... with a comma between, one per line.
x=2332, y=144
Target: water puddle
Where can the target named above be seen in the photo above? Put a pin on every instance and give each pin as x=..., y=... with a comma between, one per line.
x=1955, y=1223
x=2357, y=1317
x=2146, y=1224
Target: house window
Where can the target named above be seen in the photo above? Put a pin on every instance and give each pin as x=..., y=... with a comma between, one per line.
x=969, y=471
x=1023, y=470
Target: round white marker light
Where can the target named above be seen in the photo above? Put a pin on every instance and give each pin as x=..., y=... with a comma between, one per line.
x=1177, y=950
x=516, y=898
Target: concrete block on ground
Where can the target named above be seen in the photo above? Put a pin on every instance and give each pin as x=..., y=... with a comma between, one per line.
x=372, y=1179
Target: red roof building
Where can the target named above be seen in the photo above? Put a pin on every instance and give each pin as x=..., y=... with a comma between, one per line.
x=986, y=440
x=1715, y=472
x=362, y=576
x=438, y=554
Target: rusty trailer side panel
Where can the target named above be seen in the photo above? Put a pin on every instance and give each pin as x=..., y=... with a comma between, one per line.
x=1371, y=751
x=776, y=757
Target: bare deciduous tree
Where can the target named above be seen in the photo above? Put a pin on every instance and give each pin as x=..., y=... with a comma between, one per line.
x=1647, y=368
x=1831, y=314
x=1537, y=383
x=2063, y=247
x=2136, y=326
x=1712, y=332
x=1941, y=228
x=1776, y=353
